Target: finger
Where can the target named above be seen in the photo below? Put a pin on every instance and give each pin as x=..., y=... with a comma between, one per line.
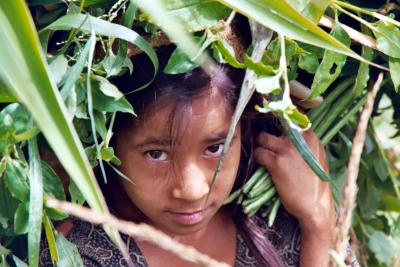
x=271, y=142
x=265, y=157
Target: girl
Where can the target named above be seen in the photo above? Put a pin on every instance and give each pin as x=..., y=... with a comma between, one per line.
x=170, y=152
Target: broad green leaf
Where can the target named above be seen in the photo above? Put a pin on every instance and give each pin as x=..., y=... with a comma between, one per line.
x=8, y=207
x=394, y=65
x=197, y=14
x=68, y=255
x=100, y=123
x=87, y=23
x=312, y=9
x=331, y=65
x=109, y=104
x=58, y=68
x=382, y=246
x=21, y=218
x=259, y=68
x=107, y=88
x=226, y=53
x=35, y=203
x=387, y=38
x=76, y=195
x=283, y=18
x=52, y=184
x=19, y=115
x=16, y=180
x=171, y=25
x=179, y=62
x=309, y=62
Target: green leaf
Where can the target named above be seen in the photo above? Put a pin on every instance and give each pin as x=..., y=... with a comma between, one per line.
x=18, y=262
x=19, y=115
x=5, y=95
x=51, y=241
x=9, y=205
x=309, y=62
x=52, y=184
x=109, y=104
x=387, y=38
x=104, y=28
x=21, y=218
x=16, y=180
x=100, y=123
x=107, y=88
x=331, y=65
x=382, y=246
x=284, y=19
x=394, y=65
x=226, y=53
x=171, y=25
x=23, y=68
x=76, y=195
x=259, y=68
x=197, y=15
x=35, y=203
x=58, y=68
x=363, y=71
x=179, y=62
x=68, y=253
x=312, y=9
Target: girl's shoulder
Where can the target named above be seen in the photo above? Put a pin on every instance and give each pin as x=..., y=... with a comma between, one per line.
x=95, y=247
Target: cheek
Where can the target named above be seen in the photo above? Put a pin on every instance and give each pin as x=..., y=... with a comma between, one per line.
x=230, y=168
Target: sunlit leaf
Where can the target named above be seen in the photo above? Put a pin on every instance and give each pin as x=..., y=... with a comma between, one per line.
x=312, y=9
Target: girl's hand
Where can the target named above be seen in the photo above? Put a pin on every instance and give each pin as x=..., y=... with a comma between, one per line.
x=302, y=193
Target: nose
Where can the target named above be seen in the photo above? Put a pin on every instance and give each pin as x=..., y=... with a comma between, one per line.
x=192, y=184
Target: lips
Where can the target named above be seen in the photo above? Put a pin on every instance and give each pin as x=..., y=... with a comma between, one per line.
x=187, y=217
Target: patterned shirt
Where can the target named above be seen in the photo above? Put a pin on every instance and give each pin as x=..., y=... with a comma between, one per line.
x=97, y=249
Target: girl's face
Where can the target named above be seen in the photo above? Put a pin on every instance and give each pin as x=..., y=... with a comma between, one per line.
x=171, y=183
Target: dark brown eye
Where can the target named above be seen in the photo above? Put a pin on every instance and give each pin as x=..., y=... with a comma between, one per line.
x=214, y=150
x=157, y=155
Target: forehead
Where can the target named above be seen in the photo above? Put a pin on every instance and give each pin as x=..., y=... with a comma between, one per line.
x=206, y=114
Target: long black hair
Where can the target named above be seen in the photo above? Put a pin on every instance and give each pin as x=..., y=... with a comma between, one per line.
x=179, y=90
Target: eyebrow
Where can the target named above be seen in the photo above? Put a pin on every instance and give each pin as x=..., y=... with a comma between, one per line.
x=151, y=140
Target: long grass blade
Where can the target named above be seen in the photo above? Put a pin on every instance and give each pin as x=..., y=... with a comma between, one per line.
x=35, y=203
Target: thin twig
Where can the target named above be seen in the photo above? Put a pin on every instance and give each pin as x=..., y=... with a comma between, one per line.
x=140, y=231
x=350, y=188
x=354, y=35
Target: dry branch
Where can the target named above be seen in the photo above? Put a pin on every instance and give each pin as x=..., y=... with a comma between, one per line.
x=140, y=231
x=350, y=188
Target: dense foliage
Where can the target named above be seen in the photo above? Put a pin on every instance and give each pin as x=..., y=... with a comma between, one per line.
x=65, y=102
